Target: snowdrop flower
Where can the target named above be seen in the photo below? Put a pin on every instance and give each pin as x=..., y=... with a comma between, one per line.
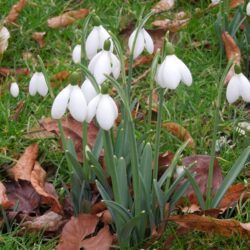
x=14, y=89
x=4, y=37
x=76, y=54
x=95, y=41
x=104, y=108
x=171, y=72
x=88, y=90
x=238, y=86
x=143, y=40
x=70, y=97
x=215, y=1
x=248, y=9
x=104, y=63
x=38, y=84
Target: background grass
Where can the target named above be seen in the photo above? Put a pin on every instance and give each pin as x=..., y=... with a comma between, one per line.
x=191, y=107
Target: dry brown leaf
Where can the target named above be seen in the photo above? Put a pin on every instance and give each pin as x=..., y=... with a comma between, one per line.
x=76, y=230
x=8, y=71
x=48, y=222
x=171, y=25
x=61, y=76
x=72, y=129
x=236, y=3
x=15, y=11
x=232, y=52
x=180, y=132
x=205, y=224
x=67, y=18
x=102, y=241
x=163, y=5
x=4, y=200
x=18, y=110
x=38, y=176
x=39, y=38
x=24, y=166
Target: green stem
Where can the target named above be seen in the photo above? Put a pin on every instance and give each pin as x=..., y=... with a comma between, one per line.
x=158, y=133
x=84, y=144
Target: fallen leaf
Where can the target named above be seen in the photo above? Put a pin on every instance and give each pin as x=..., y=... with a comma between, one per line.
x=232, y=52
x=205, y=224
x=76, y=230
x=179, y=132
x=24, y=166
x=8, y=71
x=163, y=5
x=102, y=241
x=49, y=196
x=18, y=110
x=48, y=222
x=61, y=76
x=200, y=168
x=72, y=129
x=4, y=37
x=39, y=38
x=171, y=25
x=15, y=11
x=236, y=3
x=67, y=18
x=23, y=195
x=4, y=200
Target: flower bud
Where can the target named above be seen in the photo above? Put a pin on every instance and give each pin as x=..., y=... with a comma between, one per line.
x=14, y=89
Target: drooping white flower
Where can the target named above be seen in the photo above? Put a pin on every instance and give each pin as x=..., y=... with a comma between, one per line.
x=14, y=89
x=95, y=41
x=238, y=86
x=104, y=63
x=171, y=72
x=143, y=40
x=248, y=9
x=70, y=97
x=38, y=84
x=88, y=90
x=215, y=1
x=4, y=37
x=76, y=54
x=105, y=110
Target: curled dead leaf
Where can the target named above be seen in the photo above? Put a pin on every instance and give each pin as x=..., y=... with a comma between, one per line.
x=236, y=3
x=39, y=38
x=18, y=110
x=8, y=71
x=171, y=25
x=4, y=200
x=205, y=224
x=15, y=11
x=179, y=132
x=163, y=5
x=67, y=18
x=60, y=76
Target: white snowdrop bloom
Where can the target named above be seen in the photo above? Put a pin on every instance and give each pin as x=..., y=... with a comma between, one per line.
x=70, y=97
x=143, y=40
x=248, y=9
x=88, y=90
x=38, y=84
x=105, y=110
x=215, y=1
x=171, y=72
x=238, y=86
x=104, y=63
x=14, y=89
x=95, y=41
x=4, y=37
x=179, y=170
x=76, y=54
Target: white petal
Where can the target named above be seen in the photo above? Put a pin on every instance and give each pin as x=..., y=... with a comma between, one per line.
x=92, y=43
x=186, y=76
x=244, y=88
x=88, y=90
x=102, y=67
x=93, y=61
x=233, y=89
x=76, y=54
x=4, y=36
x=149, y=44
x=106, y=113
x=77, y=104
x=42, y=87
x=139, y=45
x=14, y=89
x=170, y=74
x=33, y=85
x=248, y=9
x=60, y=103
x=159, y=75
x=116, y=66
x=103, y=36
x=92, y=106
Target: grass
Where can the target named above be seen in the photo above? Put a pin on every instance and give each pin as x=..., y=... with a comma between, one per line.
x=191, y=107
